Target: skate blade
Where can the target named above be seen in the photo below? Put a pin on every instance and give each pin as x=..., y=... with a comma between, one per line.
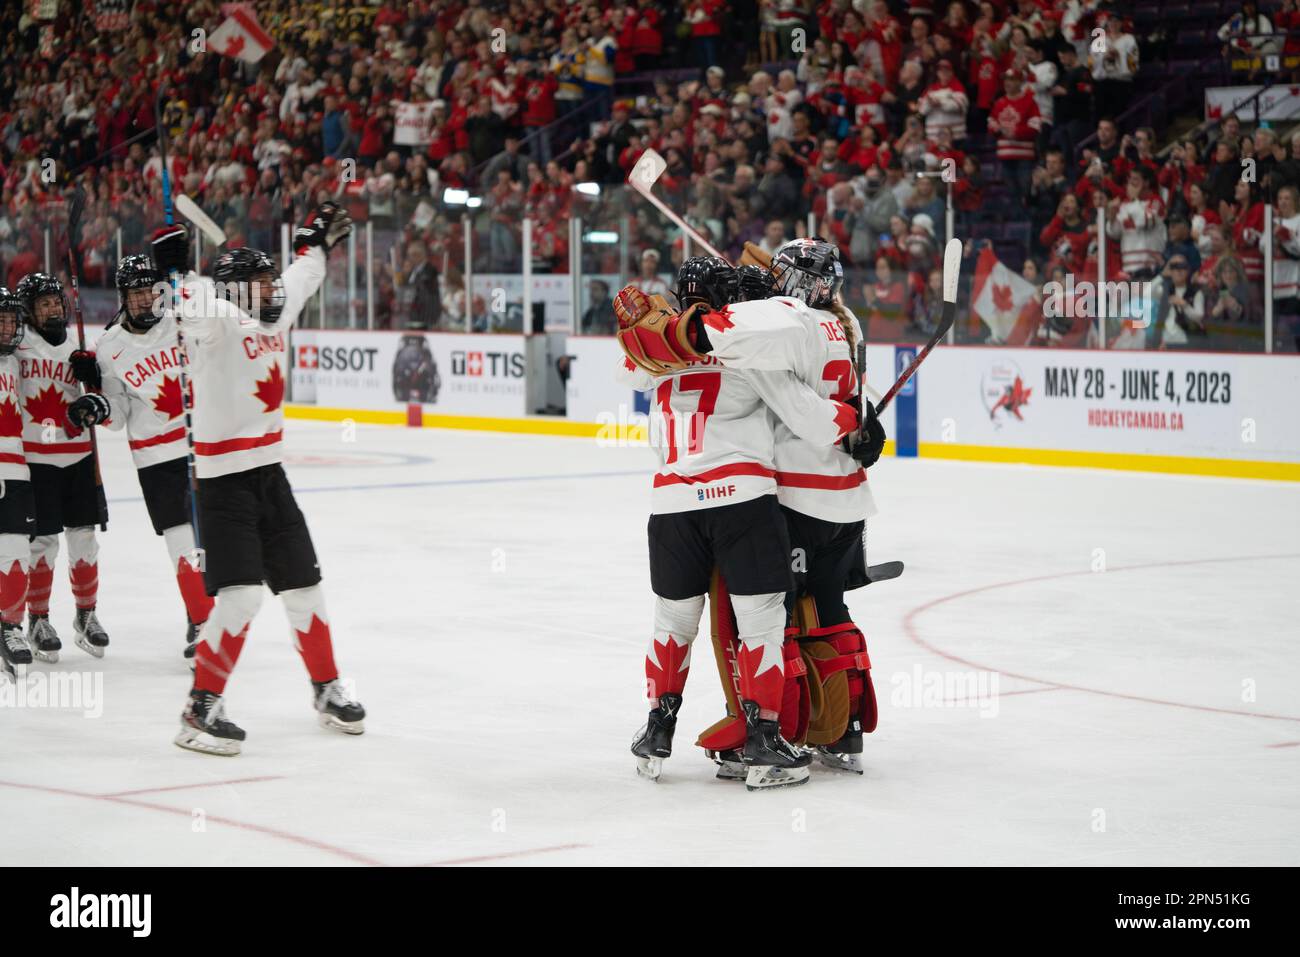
x=96, y=651
x=204, y=743
x=847, y=763
x=761, y=778
x=49, y=657
x=732, y=771
x=650, y=767
x=334, y=724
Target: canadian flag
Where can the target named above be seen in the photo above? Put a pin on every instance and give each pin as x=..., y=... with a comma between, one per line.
x=241, y=36
x=999, y=295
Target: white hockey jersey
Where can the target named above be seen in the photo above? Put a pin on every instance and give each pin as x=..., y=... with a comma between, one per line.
x=13, y=461
x=237, y=370
x=141, y=374
x=714, y=430
x=48, y=388
x=813, y=478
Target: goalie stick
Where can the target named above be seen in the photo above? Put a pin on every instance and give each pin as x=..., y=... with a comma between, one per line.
x=951, y=274
x=644, y=175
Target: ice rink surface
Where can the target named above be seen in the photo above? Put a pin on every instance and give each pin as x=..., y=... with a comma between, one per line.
x=490, y=601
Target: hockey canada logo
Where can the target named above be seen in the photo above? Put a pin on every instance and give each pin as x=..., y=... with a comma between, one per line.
x=1004, y=392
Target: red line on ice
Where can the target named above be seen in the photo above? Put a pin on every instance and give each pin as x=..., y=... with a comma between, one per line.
x=909, y=626
x=257, y=828
x=186, y=787
x=499, y=857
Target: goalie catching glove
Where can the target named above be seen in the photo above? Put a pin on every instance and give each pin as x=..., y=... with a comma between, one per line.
x=326, y=227
x=89, y=409
x=653, y=336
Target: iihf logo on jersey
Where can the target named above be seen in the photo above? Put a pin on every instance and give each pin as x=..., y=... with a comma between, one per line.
x=712, y=492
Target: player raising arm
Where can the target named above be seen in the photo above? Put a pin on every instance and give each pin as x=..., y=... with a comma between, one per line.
x=251, y=528
x=133, y=381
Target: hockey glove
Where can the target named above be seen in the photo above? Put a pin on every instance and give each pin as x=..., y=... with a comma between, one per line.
x=325, y=228
x=90, y=409
x=170, y=249
x=652, y=335
x=870, y=441
x=85, y=369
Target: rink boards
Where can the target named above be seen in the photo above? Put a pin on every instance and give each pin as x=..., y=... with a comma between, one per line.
x=1179, y=412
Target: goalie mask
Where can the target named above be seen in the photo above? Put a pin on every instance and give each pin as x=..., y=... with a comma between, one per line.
x=13, y=317
x=47, y=310
x=755, y=282
x=250, y=279
x=136, y=278
x=706, y=279
x=808, y=270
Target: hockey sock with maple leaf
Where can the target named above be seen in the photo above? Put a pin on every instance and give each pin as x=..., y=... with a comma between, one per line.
x=222, y=638
x=189, y=573
x=760, y=623
x=45, y=549
x=311, y=631
x=669, y=659
x=83, y=566
x=14, y=552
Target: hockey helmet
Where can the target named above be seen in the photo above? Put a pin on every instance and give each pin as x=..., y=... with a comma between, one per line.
x=754, y=282
x=47, y=310
x=808, y=270
x=251, y=280
x=706, y=279
x=13, y=320
x=134, y=273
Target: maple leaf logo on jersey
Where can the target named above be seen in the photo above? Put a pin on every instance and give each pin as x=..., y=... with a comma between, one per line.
x=48, y=405
x=11, y=420
x=271, y=389
x=719, y=320
x=167, y=402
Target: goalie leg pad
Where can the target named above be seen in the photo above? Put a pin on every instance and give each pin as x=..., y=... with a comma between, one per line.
x=851, y=659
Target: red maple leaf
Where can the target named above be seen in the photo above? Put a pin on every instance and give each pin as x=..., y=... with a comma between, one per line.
x=1003, y=300
x=234, y=46
x=49, y=405
x=271, y=389
x=167, y=402
x=720, y=320
x=11, y=420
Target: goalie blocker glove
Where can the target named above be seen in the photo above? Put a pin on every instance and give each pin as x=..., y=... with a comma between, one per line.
x=90, y=409
x=326, y=227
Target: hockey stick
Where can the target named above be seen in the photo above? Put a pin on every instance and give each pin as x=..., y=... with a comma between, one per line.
x=951, y=274
x=644, y=175
x=173, y=277
x=75, y=209
x=190, y=210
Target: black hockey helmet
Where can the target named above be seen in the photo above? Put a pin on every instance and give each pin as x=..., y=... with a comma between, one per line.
x=809, y=270
x=755, y=283
x=13, y=321
x=235, y=273
x=35, y=287
x=137, y=272
x=706, y=279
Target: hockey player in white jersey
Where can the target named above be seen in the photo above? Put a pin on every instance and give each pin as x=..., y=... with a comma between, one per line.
x=251, y=528
x=713, y=505
x=17, y=506
x=133, y=382
x=68, y=497
x=804, y=330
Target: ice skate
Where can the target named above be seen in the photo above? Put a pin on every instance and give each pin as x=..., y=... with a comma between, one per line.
x=91, y=636
x=14, y=651
x=731, y=765
x=336, y=710
x=844, y=754
x=771, y=760
x=654, y=741
x=204, y=727
x=43, y=639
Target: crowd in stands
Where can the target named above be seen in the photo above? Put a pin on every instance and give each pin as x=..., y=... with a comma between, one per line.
x=774, y=117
